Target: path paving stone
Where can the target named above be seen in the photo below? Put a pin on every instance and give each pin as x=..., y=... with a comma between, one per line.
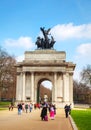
x=10, y=120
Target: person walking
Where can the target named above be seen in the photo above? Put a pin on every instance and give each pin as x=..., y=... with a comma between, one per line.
x=26, y=107
x=19, y=108
x=30, y=107
x=52, y=112
x=44, y=113
x=66, y=108
x=23, y=107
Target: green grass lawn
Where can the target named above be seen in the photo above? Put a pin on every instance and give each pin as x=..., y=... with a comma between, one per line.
x=82, y=119
x=1, y=109
x=4, y=105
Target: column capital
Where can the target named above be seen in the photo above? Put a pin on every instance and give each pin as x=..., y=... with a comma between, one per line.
x=18, y=73
x=23, y=72
x=71, y=73
x=64, y=73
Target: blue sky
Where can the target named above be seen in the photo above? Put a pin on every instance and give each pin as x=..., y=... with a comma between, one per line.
x=69, y=20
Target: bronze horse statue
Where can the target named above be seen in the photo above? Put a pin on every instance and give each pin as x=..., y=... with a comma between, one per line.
x=45, y=43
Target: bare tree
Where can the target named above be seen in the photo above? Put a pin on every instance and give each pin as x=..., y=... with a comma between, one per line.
x=81, y=93
x=7, y=74
x=86, y=74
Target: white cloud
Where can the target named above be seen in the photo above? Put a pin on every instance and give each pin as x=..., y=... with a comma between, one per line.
x=84, y=53
x=82, y=58
x=84, y=49
x=22, y=42
x=77, y=72
x=20, y=58
x=68, y=31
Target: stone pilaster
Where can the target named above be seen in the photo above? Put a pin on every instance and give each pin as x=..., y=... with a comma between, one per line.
x=17, y=87
x=23, y=87
x=66, y=87
x=55, y=86
x=71, y=87
x=32, y=86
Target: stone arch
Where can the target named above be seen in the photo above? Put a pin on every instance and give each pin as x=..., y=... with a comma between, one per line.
x=39, y=77
x=45, y=64
x=38, y=86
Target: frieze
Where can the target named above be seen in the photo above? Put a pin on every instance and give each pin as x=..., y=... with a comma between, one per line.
x=45, y=62
x=43, y=69
x=44, y=55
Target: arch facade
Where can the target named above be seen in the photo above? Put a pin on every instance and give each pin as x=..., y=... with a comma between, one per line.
x=45, y=64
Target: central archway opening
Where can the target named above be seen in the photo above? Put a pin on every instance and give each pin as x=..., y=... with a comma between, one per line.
x=44, y=91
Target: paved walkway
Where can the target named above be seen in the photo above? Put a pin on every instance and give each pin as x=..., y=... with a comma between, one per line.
x=10, y=120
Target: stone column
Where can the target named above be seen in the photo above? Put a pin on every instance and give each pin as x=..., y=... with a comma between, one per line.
x=66, y=90
x=64, y=87
x=55, y=86
x=32, y=86
x=71, y=87
x=23, y=87
x=17, y=87
x=59, y=87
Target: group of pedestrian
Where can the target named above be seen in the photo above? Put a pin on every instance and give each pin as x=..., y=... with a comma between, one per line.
x=48, y=108
x=24, y=107
x=45, y=110
x=67, y=109
x=37, y=105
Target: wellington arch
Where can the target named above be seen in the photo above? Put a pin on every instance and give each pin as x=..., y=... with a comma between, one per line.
x=45, y=63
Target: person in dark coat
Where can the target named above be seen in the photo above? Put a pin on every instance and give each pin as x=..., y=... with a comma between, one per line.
x=66, y=108
x=26, y=107
x=43, y=112
x=19, y=108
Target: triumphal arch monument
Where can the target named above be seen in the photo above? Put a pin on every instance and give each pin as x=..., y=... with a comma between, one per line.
x=45, y=63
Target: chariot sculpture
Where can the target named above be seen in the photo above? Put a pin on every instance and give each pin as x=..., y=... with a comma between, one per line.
x=45, y=42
